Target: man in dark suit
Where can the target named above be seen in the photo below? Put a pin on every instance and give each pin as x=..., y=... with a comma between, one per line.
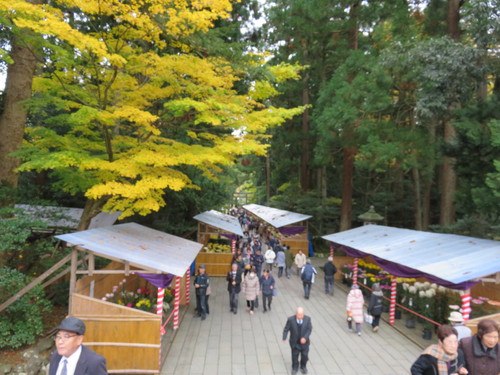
x=300, y=328
x=70, y=356
x=234, y=286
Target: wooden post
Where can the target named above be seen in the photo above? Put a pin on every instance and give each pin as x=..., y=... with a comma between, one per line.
x=392, y=308
x=91, y=263
x=72, y=279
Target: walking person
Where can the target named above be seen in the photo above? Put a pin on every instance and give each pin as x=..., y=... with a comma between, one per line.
x=201, y=283
x=258, y=260
x=375, y=306
x=280, y=261
x=251, y=289
x=442, y=358
x=457, y=321
x=266, y=288
x=300, y=328
x=269, y=257
x=354, y=307
x=70, y=356
x=234, y=286
x=330, y=271
x=300, y=261
x=288, y=261
x=482, y=350
x=308, y=273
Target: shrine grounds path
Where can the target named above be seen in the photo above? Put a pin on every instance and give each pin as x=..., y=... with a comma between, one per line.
x=228, y=344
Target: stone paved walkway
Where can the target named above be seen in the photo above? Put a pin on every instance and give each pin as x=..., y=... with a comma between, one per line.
x=228, y=344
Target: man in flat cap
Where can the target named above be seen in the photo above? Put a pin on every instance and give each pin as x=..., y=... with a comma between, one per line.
x=70, y=356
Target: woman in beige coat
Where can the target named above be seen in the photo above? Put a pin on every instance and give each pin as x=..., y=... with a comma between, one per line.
x=251, y=289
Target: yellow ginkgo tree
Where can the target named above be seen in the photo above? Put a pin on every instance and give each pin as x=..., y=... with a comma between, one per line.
x=126, y=103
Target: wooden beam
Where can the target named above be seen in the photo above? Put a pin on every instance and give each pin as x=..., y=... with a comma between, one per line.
x=72, y=279
x=129, y=344
x=127, y=268
x=35, y=282
x=91, y=263
x=58, y=276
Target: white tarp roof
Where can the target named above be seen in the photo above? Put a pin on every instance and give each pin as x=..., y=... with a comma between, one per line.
x=277, y=218
x=66, y=217
x=449, y=257
x=222, y=221
x=139, y=245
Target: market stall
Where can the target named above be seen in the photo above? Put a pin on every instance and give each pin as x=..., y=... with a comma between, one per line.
x=218, y=233
x=122, y=304
x=290, y=227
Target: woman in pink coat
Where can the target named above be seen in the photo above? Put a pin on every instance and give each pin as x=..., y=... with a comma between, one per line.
x=354, y=307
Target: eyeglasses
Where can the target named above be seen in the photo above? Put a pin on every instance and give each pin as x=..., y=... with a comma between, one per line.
x=63, y=338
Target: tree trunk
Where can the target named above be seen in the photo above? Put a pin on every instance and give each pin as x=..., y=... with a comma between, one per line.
x=92, y=209
x=18, y=88
x=305, y=174
x=453, y=21
x=429, y=182
x=448, y=175
x=448, y=180
x=417, y=193
x=347, y=187
x=268, y=178
x=349, y=151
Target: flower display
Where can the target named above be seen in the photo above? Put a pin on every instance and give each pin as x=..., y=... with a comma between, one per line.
x=141, y=298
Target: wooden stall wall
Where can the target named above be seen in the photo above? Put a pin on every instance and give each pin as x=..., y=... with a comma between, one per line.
x=119, y=333
x=218, y=264
x=299, y=241
x=489, y=290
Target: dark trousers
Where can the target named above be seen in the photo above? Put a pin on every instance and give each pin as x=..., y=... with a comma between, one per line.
x=201, y=303
x=307, y=288
x=328, y=284
x=280, y=271
x=251, y=304
x=266, y=301
x=376, y=320
x=233, y=301
x=258, y=269
x=303, y=351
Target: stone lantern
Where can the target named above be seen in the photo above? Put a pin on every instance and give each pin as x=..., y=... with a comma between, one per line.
x=370, y=217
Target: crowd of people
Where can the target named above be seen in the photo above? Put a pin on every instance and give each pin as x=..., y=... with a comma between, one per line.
x=259, y=250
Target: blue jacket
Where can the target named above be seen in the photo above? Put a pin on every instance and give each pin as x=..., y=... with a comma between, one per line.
x=265, y=285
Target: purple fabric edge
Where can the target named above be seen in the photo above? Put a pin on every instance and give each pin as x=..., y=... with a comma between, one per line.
x=400, y=270
x=161, y=280
x=292, y=230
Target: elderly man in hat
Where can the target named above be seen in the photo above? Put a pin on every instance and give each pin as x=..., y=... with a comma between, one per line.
x=70, y=356
x=457, y=321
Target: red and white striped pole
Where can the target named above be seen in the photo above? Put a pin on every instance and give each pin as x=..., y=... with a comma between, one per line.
x=188, y=286
x=159, y=307
x=355, y=272
x=233, y=246
x=177, y=301
x=466, y=309
x=331, y=249
x=392, y=308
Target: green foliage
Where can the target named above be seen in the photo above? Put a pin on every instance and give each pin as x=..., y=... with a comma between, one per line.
x=21, y=322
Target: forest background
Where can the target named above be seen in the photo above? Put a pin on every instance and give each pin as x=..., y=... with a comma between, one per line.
x=163, y=109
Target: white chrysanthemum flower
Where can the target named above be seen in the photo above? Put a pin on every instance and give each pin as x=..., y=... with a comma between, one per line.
x=434, y=286
x=421, y=293
x=417, y=284
x=412, y=289
x=405, y=286
x=427, y=285
x=441, y=289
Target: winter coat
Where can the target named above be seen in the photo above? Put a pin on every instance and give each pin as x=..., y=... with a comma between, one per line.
x=267, y=285
x=355, y=303
x=477, y=360
x=269, y=256
x=329, y=269
x=288, y=259
x=427, y=365
x=251, y=287
x=308, y=272
x=300, y=260
x=280, y=259
x=375, y=304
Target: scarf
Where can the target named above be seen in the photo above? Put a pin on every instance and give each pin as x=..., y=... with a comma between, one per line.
x=437, y=352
